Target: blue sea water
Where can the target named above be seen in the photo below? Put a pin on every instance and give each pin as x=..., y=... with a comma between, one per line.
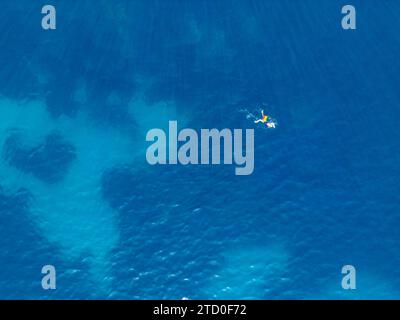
x=76, y=191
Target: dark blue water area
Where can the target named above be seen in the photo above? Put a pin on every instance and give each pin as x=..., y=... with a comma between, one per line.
x=325, y=188
x=48, y=161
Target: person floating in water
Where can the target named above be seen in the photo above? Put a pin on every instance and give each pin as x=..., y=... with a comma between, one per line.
x=264, y=119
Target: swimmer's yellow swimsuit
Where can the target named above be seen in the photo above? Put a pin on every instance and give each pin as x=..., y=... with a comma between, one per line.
x=265, y=118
